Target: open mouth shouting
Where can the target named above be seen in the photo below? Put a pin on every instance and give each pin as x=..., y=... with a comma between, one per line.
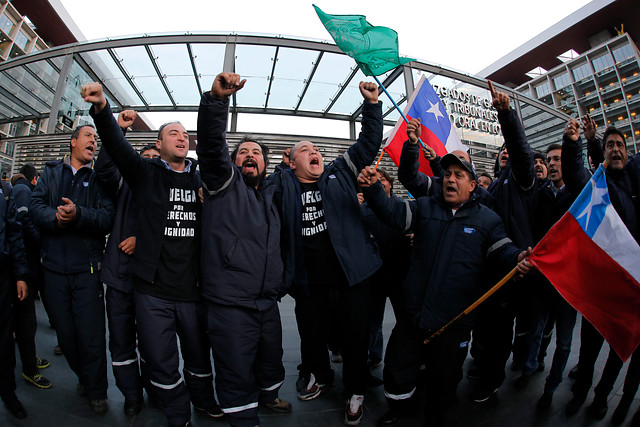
x=249, y=166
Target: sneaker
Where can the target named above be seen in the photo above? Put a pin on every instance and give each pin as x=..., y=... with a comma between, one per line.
x=545, y=400
x=336, y=357
x=57, y=350
x=212, y=410
x=353, y=411
x=277, y=405
x=302, y=381
x=313, y=389
x=37, y=380
x=132, y=407
x=484, y=393
x=99, y=406
x=42, y=363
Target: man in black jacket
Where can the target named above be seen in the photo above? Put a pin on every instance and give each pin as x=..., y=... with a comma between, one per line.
x=456, y=239
x=165, y=266
x=241, y=264
x=329, y=255
x=13, y=273
x=117, y=277
x=74, y=214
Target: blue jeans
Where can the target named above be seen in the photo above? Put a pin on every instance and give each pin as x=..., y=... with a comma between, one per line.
x=548, y=300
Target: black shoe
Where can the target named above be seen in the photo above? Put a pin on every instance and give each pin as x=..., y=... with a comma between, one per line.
x=57, y=351
x=483, y=393
x=373, y=381
x=212, y=410
x=574, y=405
x=373, y=363
x=540, y=367
x=132, y=407
x=99, y=406
x=573, y=373
x=545, y=400
x=621, y=411
x=522, y=382
x=277, y=405
x=598, y=408
x=391, y=417
x=303, y=380
x=15, y=407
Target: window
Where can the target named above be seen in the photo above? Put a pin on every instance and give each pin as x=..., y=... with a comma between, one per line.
x=6, y=24
x=623, y=53
x=542, y=90
x=561, y=81
x=22, y=41
x=581, y=72
x=602, y=63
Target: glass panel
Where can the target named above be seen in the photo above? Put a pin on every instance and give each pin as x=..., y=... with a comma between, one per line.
x=292, y=70
x=602, y=63
x=351, y=99
x=6, y=24
x=173, y=61
x=623, y=53
x=22, y=41
x=136, y=62
x=254, y=63
x=561, y=81
x=333, y=68
x=45, y=72
x=72, y=104
x=20, y=75
x=103, y=65
x=581, y=72
x=25, y=97
x=209, y=60
x=542, y=90
x=540, y=127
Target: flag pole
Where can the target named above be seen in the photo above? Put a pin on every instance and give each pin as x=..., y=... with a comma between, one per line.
x=473, y=306
x=397, y=108
x=379, y=158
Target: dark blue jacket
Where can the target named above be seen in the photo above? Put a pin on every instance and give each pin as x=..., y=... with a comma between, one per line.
x=22, y=190
x=149, y=181
x=241, y=260
x=419, y=184
x=355, y=250
x=117, y=265
x=515, y=186
x=13, y=257
x=77, y=247
x=450, y=254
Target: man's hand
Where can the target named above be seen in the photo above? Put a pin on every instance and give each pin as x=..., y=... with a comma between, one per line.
x=367, y=177
x=128, y=245
x=589, y=127
x=226, y=84
x=285, y=156
x=369, y=91
x=92, y=92
x=23, y=291
x=360, y=198
x=66, y=213
x=500, y=100
x=126, y=118
x=523, y=266
x=572, y=130
x=429, y=153
x=414, y=130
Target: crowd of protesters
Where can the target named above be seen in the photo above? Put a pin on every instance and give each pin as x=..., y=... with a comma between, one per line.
x=200, y=252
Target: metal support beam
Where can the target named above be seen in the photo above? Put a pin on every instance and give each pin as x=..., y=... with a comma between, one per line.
x=229, y=66
x=193, y=67
x=159, y=73
x=344, y=85
x=57, y=98
x=308, y=80
x=352, y=130
x=118, y=63
x=273, y=70
x=87, y=69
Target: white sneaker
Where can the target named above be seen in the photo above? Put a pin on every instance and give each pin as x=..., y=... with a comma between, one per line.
x=353, y=412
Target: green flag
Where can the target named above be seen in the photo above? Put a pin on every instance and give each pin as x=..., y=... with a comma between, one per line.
x=375, y=49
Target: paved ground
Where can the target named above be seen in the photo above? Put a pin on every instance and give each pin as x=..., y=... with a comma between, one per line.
x=61, y=406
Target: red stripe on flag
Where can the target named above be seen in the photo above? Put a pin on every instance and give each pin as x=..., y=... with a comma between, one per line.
x=592, y=282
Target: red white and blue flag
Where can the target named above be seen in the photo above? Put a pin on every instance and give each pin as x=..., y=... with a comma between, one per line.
x=592, y=259
x=437, y=131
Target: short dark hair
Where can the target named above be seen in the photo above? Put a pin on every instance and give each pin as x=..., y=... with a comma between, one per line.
x=552, y=147
x=612, y=130
x=148, y=147
x=249, y=138
x=76, y=133
x=537, y=155
x=386, y=175
x=165, y=125
x=29, y=171
x=485, y=174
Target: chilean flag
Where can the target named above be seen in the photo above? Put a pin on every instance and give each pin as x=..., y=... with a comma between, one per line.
x=437, y=131
x=594, y=262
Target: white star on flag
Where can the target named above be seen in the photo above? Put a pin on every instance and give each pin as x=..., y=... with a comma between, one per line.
x=597, y=198
x=435, y=110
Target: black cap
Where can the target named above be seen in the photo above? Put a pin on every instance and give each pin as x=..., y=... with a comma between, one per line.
x=452, y=159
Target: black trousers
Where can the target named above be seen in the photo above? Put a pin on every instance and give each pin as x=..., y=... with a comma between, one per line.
x=121, y=314
x=443, y=358
x=590, y=345
x=247, y=351
x=351, y=305
x=24, y=328
x=76, y=302
x=160, y=323
x=610, y=374
x=7, y=347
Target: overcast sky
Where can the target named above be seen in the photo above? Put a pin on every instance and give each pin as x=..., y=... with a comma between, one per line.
x=467, y=35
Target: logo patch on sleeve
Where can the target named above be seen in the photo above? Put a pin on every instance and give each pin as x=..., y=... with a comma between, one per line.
x=469, y=230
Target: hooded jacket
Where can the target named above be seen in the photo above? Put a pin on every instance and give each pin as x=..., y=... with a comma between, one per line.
x=13, y=257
